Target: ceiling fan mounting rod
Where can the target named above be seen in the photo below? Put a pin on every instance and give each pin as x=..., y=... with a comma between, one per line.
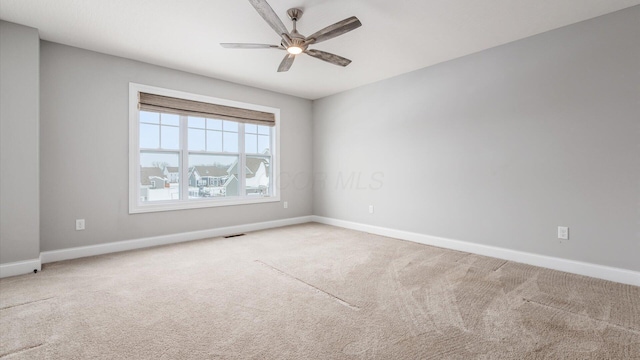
x=294, y=14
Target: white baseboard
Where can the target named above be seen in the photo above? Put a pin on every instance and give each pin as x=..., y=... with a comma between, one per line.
x=576, y=267
x=19, y=267
x=571, y=266
x=92, y=250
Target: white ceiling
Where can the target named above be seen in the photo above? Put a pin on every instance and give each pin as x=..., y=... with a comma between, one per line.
x=396, y=36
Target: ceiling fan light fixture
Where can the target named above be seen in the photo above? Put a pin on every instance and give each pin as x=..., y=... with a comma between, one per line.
x=294, y=50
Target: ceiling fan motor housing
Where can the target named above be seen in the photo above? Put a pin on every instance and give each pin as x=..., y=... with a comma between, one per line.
x=297, y=42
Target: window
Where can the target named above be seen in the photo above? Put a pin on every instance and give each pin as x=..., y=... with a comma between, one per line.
x=191, y=151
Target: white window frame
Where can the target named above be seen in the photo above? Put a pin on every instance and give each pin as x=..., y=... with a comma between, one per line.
x=135, y=203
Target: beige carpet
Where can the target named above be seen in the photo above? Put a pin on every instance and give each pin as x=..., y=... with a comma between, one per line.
x=312, y=292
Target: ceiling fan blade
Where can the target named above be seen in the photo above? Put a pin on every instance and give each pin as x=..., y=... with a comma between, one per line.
x=264, y=9
x=334, y=30
x=249, y=46
x=286, y=63
x=328, y=57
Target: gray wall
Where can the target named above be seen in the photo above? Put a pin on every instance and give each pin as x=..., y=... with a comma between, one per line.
x=19, y=105
x=84, y=150
x=499, y=147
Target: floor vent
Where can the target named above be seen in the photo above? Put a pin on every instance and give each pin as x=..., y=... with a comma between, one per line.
x=230, y=236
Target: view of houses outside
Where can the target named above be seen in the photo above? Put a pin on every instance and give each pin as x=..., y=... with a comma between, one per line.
x=212, y=169
x=257, y=178
x=212, y=176
x=157, y=180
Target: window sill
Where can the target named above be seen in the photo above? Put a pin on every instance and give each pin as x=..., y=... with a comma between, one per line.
x=198, y=204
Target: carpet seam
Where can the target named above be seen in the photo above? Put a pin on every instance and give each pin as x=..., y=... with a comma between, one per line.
x=337, y=299
x=26, y=303
x=27, y=348
x=583, y=316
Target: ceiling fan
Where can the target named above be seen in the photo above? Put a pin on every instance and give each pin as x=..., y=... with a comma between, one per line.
x=294, y=42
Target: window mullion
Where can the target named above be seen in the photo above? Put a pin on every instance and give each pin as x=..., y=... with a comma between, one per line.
x=271, y=161
x=184, y=159
x=242, y=160
x=159, y=137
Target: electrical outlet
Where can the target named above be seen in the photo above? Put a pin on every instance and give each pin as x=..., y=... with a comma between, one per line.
x=563, y=232
x=79, y=224
x=286, y=205
x=370, y=209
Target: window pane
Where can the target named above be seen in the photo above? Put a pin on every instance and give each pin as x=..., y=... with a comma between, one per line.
x=251, y=143
x=196, y=122
x=213, y=176
x=230, y=126
x=258, y=174
x=159, y=176
x=196, y=140
x=263, y=144
x=149, y=136
x=214, y=141
x=264, y=130
x=250, y=128
x=214, y=124
x=230, y=142
x=149, y=117
x=170, y=119
x=170, y=137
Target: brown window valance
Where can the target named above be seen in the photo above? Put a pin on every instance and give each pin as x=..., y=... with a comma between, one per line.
x=171, y=105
